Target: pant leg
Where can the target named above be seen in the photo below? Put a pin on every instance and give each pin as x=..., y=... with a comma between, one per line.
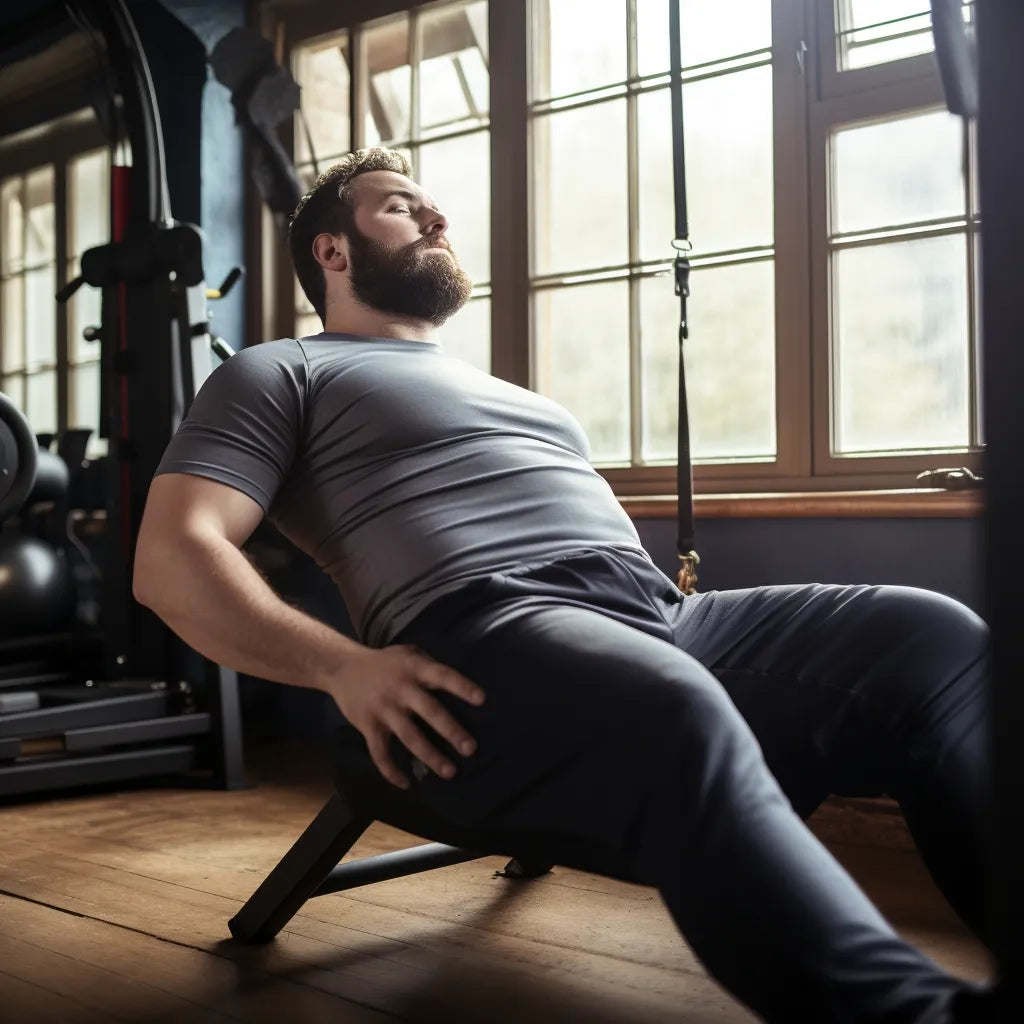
x=863, y=691
x=599, y=730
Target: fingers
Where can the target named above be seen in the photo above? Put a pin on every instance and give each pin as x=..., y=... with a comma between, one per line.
x=443, y=723
x=436, y=676
x=377, y=743
x=418, y=745
x=422, y=674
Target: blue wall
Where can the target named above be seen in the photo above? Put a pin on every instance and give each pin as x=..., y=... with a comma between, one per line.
x=205, y=153
x=938, y=554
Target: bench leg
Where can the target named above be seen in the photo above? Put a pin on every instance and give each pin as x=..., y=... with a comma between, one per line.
x=524, y=867
x=298, y=875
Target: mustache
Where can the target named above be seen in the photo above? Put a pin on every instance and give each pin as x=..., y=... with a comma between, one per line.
x=431, y=243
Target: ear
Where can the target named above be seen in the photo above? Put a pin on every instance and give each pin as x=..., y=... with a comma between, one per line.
x=331, y=251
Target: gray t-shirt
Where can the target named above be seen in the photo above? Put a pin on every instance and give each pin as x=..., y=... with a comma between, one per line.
x=402, y=471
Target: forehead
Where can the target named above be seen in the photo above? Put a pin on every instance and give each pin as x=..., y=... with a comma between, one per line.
x=375, y=186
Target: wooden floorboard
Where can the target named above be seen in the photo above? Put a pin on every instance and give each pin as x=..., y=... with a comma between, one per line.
x=115, y=907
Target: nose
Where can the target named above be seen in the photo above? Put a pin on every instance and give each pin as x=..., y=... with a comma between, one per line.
x=434, y=222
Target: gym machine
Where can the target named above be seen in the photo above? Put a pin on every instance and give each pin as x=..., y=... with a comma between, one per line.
x=113, y=703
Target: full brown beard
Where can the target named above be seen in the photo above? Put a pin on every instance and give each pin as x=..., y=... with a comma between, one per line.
x=403, y=281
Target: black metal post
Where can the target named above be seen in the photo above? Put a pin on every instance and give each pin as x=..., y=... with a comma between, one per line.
x=1001, y=153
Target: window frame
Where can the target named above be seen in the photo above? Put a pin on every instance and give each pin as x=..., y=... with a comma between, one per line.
x=833, y=82
x=808, y=91
x=903, y=87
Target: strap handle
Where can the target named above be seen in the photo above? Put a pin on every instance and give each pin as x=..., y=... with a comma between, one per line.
x=685, y=543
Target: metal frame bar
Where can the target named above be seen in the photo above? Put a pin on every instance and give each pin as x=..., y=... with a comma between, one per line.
x=396, y=864
x=299, y=873
x=146, y=729
x=67, y=772
x=103, y=711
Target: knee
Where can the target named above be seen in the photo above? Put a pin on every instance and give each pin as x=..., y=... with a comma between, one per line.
x=932, y=622
x=934, y=676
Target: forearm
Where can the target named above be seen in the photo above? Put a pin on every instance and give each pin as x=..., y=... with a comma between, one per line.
x=214, y=599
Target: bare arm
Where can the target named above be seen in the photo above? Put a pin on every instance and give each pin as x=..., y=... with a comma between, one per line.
x=189, y=569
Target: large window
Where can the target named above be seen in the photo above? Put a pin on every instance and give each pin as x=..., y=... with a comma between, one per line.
x=54, y=204
x=894, y=247
x=833, y=214
x=419, y=82
x=605, y=314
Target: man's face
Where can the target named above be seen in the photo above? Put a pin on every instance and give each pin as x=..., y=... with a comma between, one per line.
x=400, y=258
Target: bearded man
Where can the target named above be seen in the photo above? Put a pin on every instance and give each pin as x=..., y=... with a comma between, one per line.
x=520, y=662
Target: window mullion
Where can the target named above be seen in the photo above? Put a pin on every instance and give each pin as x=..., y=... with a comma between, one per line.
x=633, y=213
x=792, y=81
x=973, y=339
x=511, y=180
x=415, y=56
x=355, y=134
x=23, y=276
x=359, y=91
x=62, y=224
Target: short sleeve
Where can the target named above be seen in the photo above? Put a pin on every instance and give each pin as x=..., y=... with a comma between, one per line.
x=243, y=427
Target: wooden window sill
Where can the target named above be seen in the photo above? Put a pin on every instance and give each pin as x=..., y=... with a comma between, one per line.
x=919, y=504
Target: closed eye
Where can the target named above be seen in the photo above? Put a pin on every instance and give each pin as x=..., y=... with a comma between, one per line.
x=401, y=208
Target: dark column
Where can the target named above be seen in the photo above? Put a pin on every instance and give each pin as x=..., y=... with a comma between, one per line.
x=1001, y=139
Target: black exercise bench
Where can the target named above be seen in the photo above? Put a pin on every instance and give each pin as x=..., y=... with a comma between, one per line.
x=311, y=867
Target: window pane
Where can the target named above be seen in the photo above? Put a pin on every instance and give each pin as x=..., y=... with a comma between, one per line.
x=12, y=347
x=14, y=389
x=302, y=304
x=454, y=83
x=322, y=70
x=307, y=324
x=730, y=363
x=858, y=13
x=442, y=101
x=708, y=31
x=729, y=176
x=90, y=202
x=581, y=360
x=585, y=46
x=457, y=174
x=901, y=350
x=13, y=226
x=468, y=334
x=84, y=310
x=389, y=81
x=897, y=172
x=40, y=317
x=477, y=68
x=876, y=31
x=40, y=242
x=41, y=402
x=580, y=208
x=85, y=396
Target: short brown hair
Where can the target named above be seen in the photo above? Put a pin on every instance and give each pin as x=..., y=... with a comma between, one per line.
x=327, y=206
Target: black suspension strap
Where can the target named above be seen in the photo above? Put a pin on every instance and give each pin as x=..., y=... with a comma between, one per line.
x=685, y=543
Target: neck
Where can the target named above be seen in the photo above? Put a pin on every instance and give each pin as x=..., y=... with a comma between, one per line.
x=353, y=318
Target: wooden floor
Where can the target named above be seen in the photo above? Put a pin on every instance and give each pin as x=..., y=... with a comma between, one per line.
x=114, y=907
